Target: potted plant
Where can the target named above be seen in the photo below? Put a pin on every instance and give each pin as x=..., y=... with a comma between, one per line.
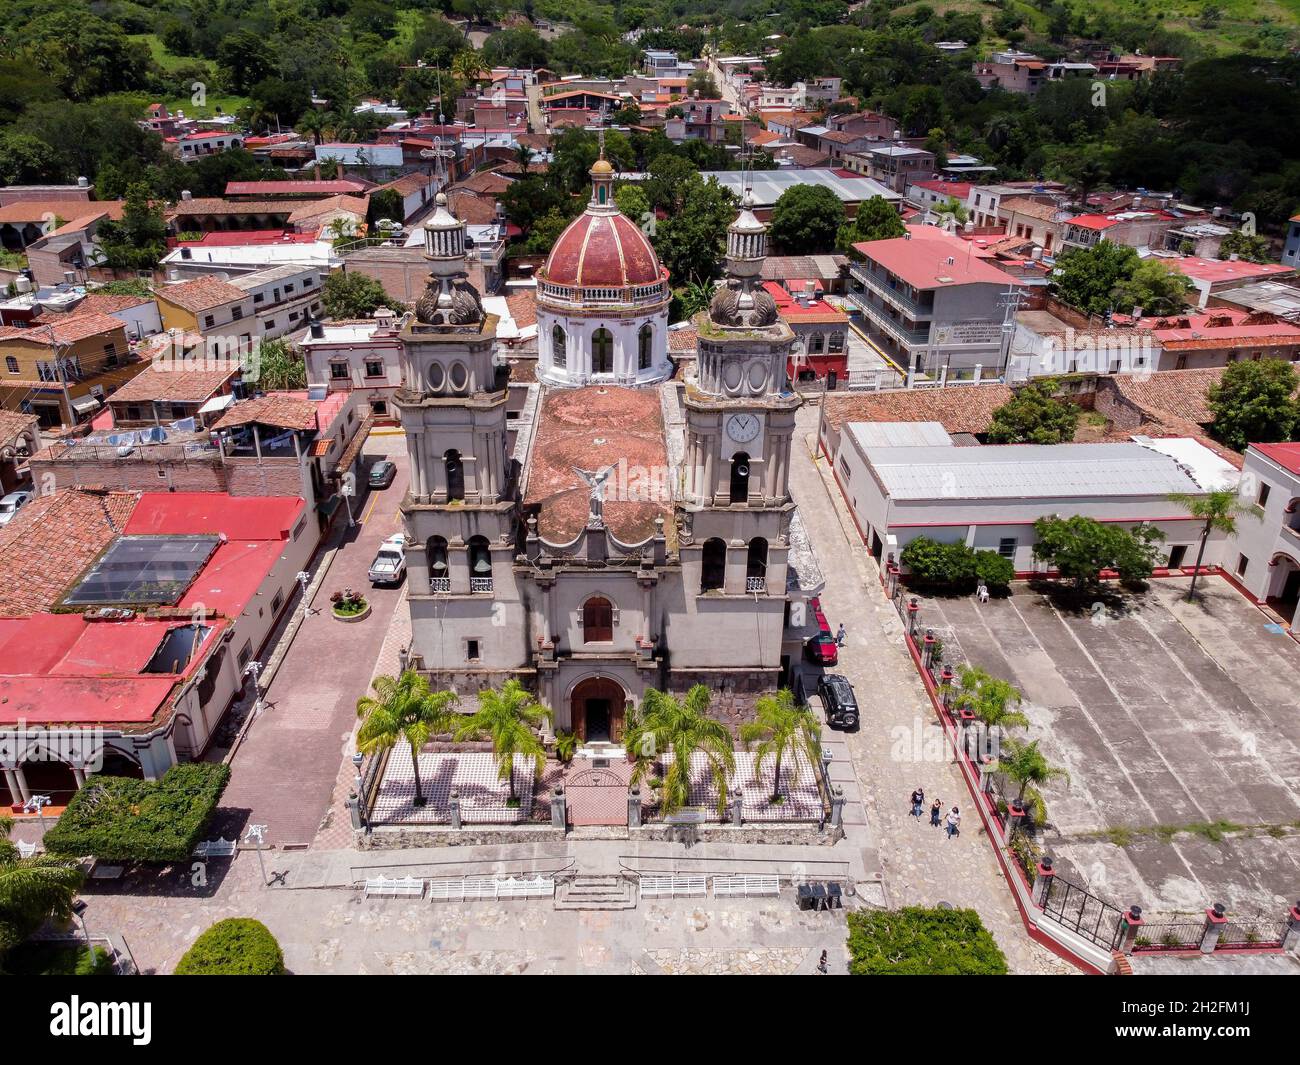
x=566, y=746
x=349, y=605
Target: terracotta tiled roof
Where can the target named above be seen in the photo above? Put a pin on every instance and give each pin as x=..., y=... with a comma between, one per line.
x=13, y=424
x=217, y=205
x=1182, y=393
x=602, y=250
x=684, y=340
x=958, y=408
x=409, y=183
x=357, y=205
x=293, y=188
x=487, y=183
x=71, y=527
x=68, y=329
x=101, y=303
x=1030, y=208
x=472, y=209
x=591, y=428
x=172, y=385
x=200, y=294
x=523, y=307
x=39, y=210
x=283, y=412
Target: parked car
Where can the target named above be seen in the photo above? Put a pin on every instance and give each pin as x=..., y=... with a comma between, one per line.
x=9, y=505
x=840, y=702
x=821, y=650
x=389, y=566
x=382, y=474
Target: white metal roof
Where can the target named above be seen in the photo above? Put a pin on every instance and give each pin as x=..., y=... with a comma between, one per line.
x=769, y=184
x=900, y=434
x=1028, y=471
x=1206, y=468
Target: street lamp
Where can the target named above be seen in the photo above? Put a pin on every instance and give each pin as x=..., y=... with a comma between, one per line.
x=79, y=911
x=256, y=834
x=254, y=670
x=304, y=578
x=36, y=804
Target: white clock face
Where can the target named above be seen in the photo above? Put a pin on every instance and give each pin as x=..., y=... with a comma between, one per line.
x=742, y=428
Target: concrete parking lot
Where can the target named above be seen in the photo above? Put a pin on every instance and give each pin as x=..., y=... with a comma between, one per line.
x=1176, y=722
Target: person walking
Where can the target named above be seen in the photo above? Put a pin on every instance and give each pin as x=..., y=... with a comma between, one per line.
x=821, y=965
x=936, y=813
x=954, y=822
x=918, y=801
x=840, y=635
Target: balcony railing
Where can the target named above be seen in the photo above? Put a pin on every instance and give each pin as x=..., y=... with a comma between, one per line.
x=441, y=584
x=756, y=584
x=480, y=584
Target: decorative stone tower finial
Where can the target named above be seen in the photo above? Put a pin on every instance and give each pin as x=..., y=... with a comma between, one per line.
x=448, y=298
x=742, y=301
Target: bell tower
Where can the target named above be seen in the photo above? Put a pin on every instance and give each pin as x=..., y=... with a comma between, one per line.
x=460, y=513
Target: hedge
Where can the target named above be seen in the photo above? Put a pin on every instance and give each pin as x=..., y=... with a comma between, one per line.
x=955, y=566
x=237, y=946
x=916, y=941
x=121, y=819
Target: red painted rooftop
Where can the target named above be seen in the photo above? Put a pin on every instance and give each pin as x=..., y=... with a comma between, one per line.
x=921, y=259
x=603, y=250
x=197, y=513
x=1215, y=270
x=1285, y=455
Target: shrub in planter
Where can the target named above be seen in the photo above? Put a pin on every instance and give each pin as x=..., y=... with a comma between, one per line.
x=995, y=571
x=916, y=941
x=944, y=565
x=237, y=946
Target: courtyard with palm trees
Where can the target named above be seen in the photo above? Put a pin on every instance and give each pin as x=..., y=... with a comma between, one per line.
x=1144, y=734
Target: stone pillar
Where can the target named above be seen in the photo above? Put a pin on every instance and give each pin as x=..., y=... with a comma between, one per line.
x=709, y=490
x=453, y=805
x=1043, y=881
x=559, y=815
x=927, y=649
x=1130, y=924
x=17, y=784
x=354, y=811
x=913, y=610
x=1015, y=814
x=1215, y=918
x=837, y=806
x=737, y=807
x=79, y=775
x=1291, y=938
x=634, y=807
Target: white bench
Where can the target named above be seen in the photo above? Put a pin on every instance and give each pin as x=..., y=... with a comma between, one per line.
x=216, y=848
x=391, y=887
x=26, y=850
x=673, y=887
x=733, y=885
x=483, y=887
x=537, y=888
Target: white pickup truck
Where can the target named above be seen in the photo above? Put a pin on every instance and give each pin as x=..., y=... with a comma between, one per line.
x=389, y=566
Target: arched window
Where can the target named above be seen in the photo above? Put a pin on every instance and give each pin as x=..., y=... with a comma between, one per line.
x=559, y=354
x=597, y=620
x=740, y=477
x=713, y=565
x=836, y=343
x=756, y=565
x=644, y=343
x=480, y=565
x=435, y=550
x=816, y=344
x=602, y=351
x=455, y=475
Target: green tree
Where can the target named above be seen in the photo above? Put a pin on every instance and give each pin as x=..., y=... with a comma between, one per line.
x=404, y=708
x=668, y=178
x=1217, y=511
x=137, y=241
x=385, y=204
x=990, y=698
x=806, y=220
x=237, y=946
x=691, y=242
x=1024, y=763
x=32, y=889
x=1080, y=548
x=664, y=725
x=278, y=368
x=781, y=727
x=1086, y=278
x=916, y=941
x=1155, y=287
x=632, y=202
x=354, y=295
x=877, y=219
x=1249, y=246
x=1033, y=415
x=930, y=562
x=510, y=718
x=245, y=58
x=1255, y=403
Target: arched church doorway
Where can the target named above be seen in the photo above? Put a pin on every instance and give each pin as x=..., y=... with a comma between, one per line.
x=598, y=709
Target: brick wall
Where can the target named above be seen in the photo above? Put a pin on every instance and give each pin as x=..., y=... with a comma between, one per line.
x=272, y=479
x=1122, y=412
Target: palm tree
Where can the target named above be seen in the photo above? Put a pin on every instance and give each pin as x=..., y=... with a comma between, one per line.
x=781, y=726
x=665, y=724
x=313, y=122
x=523, y=156
x=990, y=698
x=510, y=719
x=32, y=889
x=404, y=708
x=467, y=66
x=1218, y=510
x=1025, y=763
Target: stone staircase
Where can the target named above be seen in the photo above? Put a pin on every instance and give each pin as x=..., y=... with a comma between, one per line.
x=596, y=892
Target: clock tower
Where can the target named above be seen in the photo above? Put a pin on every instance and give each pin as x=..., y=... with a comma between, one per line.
x=740, y=421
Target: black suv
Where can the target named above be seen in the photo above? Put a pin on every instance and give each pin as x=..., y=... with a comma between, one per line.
x=838, y=698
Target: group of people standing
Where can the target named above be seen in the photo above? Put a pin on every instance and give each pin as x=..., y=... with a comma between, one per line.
x=950, y=823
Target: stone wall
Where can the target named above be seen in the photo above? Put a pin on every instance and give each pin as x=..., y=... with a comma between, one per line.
x=771, y=833
x=396, y=838
x=134, y=474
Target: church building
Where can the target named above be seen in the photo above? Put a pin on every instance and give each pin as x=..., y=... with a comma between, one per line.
x=628, y=528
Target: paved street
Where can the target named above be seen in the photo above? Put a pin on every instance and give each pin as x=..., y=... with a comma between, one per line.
x=284, y=774
x=899, y=745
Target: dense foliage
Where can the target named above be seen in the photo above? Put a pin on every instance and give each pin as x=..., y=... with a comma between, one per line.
x=1033, y=415
x=1080, y=548
x=353, y=295
x=916, y=941
x=806, y=220
x=1255, y=403
x=32, y=890
x=237, y=946
x=120, y=819
x=954, y=566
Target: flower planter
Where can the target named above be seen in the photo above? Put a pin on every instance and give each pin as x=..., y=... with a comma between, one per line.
x=359, y=616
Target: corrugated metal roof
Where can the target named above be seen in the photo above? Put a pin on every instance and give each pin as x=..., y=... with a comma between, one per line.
x=900, y=434
x=1027, y=471
x=767, y=185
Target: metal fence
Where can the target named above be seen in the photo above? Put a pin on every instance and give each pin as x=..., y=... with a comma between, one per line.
x=1170, y=935
x=1252, y=933
x=1082, y=912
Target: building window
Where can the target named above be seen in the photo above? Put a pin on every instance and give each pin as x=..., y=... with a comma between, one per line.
x=338, y=371
x=471, y=651
x=277, y=601
x=1263, y=495
x=844, y=469
x=208, y=321
x=713, y=565
x=1007, y=547
x=480, y=565
x=645, y=340
x=11, y=364
x=559, y=356
x=602, y=351
x=455, y=476
x=246, y=654
x=740, y=477
x=379, y=407
x=836, y=344
x=297, y=529
x=374, y=368
x=1242, y=563
x=269, y=324
x=597, y=620
x=236, y=313
x=756, y=565
x=816, y=344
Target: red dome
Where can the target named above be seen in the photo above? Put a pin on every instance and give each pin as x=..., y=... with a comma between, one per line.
x=602, y=250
